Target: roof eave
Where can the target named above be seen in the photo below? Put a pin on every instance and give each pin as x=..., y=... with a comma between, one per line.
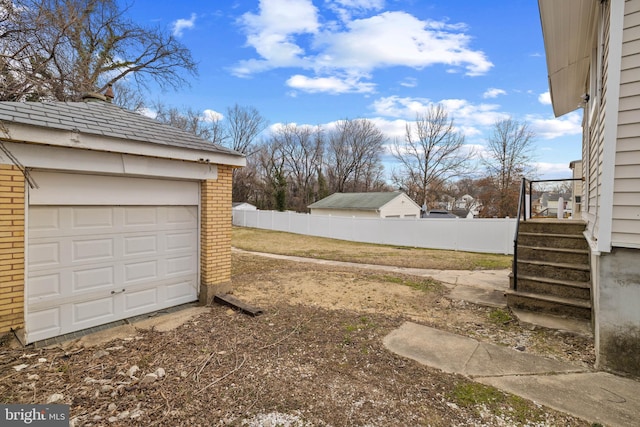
x=18, y=132
x=567, y=29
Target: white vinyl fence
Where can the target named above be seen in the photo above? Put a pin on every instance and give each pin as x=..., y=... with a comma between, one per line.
x=493, y=235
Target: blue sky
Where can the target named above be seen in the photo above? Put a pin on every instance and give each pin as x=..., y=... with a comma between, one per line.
x=318, y=61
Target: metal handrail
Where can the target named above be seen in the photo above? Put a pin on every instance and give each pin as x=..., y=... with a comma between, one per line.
x=514, y=268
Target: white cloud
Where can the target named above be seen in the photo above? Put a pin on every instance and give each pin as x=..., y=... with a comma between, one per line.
x=399, y=39
x=569, y=124
x=361, y=4
x=332, y=85
x=552, y=170
x=465, y=114
x=288, y=33
x=272, y=33
x=211, y=115
x=409, y=82
x=345, y=9
x=493, y=93
x=183, y=24
x=545, y=98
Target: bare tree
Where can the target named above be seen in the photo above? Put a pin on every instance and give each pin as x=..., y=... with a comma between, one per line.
x=243, y=125
x=432, y=153
x=61, y=49
x=274, y=175
x=508, y=157
x=302, y=148
x=354, y=149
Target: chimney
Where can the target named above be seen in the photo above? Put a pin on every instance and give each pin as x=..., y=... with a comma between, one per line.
x=109, y=93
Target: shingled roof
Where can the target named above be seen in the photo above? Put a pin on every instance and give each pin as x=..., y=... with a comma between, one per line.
x=104, y=119
x=359, y=201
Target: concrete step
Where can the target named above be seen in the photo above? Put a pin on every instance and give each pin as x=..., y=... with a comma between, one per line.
x=566, y=241
x=565, y=324
x=569, y=307
x=559, y=288
x=541, y=253
x=555, y=270
x=551, y=226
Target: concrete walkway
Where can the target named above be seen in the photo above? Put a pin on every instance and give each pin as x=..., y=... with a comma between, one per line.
x=596, y=397
x=593, y=396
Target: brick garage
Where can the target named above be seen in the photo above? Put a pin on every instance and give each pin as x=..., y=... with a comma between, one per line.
x=106, y=214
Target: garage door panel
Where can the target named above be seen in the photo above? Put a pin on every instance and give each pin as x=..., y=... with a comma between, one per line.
x=44, y=219
x=146, y=260
x=92, y=250
x=92, y=217
x=144, y=299
x=44, y=254
x=177, y=215
x=180, y=241
x=180, y=265
x=97, y=278
x=44, y=323
x=140, y=216
x=93, y=312
x=141, y=245
x=145, y=270
x=47, y=286
x=179, y=292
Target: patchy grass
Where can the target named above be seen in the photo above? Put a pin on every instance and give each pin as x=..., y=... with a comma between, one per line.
x=423, y=285
x=487, y=399
x=499, y=316
x=258, y=240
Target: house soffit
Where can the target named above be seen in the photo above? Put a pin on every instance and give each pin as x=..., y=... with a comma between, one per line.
x=567, y=28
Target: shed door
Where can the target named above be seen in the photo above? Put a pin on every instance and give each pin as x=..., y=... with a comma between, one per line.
x=88, y=265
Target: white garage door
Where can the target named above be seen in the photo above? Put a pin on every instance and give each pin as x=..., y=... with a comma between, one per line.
x=91, y=265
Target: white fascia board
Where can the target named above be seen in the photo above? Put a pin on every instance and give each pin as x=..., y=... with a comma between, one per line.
x=605, y=210
x=96, y=162
x=61, y=138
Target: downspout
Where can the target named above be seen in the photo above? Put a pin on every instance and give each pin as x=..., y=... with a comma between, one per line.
x=610, y=133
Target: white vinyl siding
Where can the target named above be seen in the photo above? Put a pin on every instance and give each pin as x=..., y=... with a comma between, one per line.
x=400, y=207
x=626, y=196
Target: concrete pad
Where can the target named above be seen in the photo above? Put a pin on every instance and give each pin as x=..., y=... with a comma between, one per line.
x=431, y=347
x=102, y=337
x=161, y=323
x=485, y=279
x=480, y=296
x=453, y=353
x=596, y=397
x=168, y=322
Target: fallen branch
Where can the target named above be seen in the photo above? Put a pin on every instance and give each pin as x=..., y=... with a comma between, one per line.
x=244, y=358
x=296, y=329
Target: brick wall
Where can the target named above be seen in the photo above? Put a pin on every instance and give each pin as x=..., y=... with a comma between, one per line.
x=11, y=248
x=215, y=237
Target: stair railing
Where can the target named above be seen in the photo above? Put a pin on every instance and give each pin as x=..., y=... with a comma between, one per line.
x=522, y=213
x=521, y=201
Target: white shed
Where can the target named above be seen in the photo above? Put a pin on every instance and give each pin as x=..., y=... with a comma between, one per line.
x=394, y=204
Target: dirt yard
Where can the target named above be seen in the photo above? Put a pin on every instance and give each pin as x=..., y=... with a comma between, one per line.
x=314, y=358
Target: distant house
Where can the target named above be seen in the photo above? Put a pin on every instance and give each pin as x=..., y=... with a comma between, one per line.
x=593, y=62
x=440, y=213
x=367, y=205
x=243, y=206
